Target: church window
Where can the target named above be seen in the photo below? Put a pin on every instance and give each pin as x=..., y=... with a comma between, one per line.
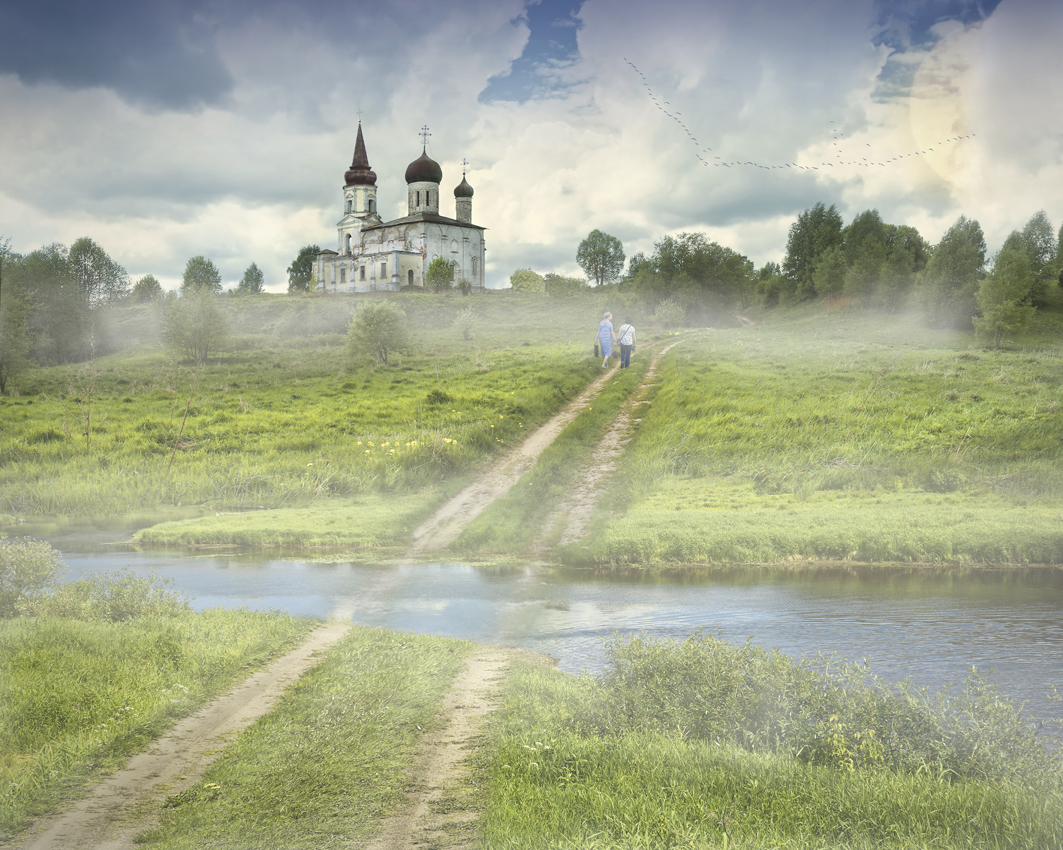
x=409, y=277
x=418, y=194
x=343, y=275
x=348, y=244
x=383, y=270
x=372, y=205
x=362, y=273
x=474, y=266
x=454, y=270
x=349, y=204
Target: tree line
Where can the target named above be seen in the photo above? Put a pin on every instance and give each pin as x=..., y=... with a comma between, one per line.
x=688, y=278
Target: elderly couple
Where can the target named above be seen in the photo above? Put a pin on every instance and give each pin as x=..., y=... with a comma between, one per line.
x=606, y=336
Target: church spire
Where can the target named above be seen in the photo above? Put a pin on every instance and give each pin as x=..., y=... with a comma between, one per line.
x=360, y=174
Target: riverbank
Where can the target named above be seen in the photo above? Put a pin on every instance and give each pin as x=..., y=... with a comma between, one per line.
x=677, y=744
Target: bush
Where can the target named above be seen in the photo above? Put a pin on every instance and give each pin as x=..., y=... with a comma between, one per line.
x=670, y=314
x=28, y=570
x=115, y=597
x=378, y=328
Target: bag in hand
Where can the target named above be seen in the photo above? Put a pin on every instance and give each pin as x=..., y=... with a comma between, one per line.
x=595, y=349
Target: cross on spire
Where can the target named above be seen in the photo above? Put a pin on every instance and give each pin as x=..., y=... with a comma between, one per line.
x=464, y=166
x=424, y=135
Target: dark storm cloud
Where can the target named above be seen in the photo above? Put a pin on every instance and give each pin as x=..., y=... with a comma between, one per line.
x=156, y=55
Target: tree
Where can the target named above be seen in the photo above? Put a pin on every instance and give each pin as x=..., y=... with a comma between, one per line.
x=201, y=274
x=14, y=335
x=194, y=324
x=301, y=271
x=525, y=280
x=864, y=247
x=251, y=282
x=378, y=328
x=440, y=275
x=1003, y=295
x=829, y=276
x=60, y=321
x=601, y=257
x=695, y=271
x=100, y=279
x=815, y=232
x=1039, y=243
x=146, y=289
x=953, y=273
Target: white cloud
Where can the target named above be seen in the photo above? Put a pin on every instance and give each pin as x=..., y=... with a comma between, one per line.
x=257, y=175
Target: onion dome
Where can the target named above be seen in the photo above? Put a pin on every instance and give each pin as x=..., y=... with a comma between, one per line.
x=424, y=169
x=464, y=190
x=360, y=174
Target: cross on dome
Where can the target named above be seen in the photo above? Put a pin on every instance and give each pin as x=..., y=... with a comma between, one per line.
x=424, y=135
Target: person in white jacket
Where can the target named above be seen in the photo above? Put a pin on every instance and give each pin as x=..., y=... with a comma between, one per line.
x=626, y=337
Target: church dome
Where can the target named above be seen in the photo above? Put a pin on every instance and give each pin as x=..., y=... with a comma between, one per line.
x=464, y=190
x=360, y=174
x=424, y=169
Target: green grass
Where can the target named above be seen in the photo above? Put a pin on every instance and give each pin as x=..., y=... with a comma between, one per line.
x=77, y=697
x=700, y=744
x=284, y=418
x=331, y=759
x=841, y=436
x=362, y=522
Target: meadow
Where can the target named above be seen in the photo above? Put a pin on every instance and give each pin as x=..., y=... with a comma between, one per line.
x=813, y=434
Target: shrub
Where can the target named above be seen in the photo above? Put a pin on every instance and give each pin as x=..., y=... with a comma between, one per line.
x=378, y=329
x=115, y=597
x=28, y=570
x=670, y=314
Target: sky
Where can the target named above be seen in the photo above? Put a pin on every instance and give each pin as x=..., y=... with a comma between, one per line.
x=223, y=128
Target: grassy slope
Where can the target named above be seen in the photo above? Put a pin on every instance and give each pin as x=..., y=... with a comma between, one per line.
x=79, y=696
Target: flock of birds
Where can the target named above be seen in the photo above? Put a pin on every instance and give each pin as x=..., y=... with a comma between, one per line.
x=837, y=135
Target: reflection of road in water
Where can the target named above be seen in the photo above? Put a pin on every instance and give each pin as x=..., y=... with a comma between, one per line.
x=932, y=628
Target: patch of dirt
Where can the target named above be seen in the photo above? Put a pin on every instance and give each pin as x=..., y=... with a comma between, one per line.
x=434, y=812
x=578, y=507
x=443, y=526
x=129, y=801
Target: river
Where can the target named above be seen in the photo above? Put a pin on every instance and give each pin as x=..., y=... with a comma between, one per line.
x=932, y=626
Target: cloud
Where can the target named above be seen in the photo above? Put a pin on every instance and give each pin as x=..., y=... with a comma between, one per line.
x=157, y=55
x=243, y=160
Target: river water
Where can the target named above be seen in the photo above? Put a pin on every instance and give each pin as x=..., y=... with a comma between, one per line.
x=930, y=626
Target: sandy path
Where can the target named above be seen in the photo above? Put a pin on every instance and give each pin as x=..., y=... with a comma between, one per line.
x=442, y=762
x=440, y=529
x=576, y=509
x=129, y=801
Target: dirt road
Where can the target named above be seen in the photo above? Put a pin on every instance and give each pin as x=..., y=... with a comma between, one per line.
x=129, y=801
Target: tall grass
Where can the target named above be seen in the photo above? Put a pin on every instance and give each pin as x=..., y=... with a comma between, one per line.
x=700, y=743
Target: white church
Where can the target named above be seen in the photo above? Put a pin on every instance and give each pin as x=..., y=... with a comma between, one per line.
x=377, y=255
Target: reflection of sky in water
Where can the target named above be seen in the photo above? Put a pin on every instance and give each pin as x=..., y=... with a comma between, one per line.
x=931, y=628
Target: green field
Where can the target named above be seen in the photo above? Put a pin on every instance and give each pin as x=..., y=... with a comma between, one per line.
x=813, y=434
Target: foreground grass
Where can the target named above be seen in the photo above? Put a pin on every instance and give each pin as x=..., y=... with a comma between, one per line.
x=841, y=436
x=79, y=697
x=685, y=751
x=330, y=759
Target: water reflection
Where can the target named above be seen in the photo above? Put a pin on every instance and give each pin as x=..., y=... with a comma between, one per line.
x=930, y=626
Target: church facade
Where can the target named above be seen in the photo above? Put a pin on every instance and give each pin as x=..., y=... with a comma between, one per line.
x=372, y=254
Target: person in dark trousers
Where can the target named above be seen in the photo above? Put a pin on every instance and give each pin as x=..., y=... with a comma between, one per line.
x=626, y=337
